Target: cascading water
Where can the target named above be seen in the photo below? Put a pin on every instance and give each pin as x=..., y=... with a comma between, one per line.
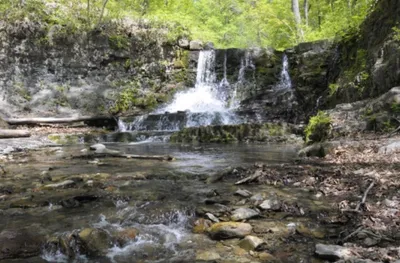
x=207, y=103
x=285, y=82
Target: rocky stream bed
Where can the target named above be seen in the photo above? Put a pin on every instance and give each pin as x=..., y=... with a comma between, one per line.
x=240, y=202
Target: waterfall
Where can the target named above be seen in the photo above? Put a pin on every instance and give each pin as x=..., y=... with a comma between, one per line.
x=285, y=83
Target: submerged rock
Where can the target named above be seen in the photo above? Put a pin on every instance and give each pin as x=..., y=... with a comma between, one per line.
x=251, y=243
x=62, y=185
x=225, y=230
x=95, y=241
x=19, y=244
x=332, y=252
x=243, y=213
x=207, y=256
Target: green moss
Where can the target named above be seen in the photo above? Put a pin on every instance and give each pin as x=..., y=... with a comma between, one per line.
x=64, y=138
x=318, y=128
x=333, y=88
x=118, y=42
x=396, y=33
x=395, y=108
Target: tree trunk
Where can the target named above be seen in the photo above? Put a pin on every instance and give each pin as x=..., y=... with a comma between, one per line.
x=306, y=11
x=25, y=121
x=14, y=133
x=102, y=11
x=297, y=18
x=88, y=12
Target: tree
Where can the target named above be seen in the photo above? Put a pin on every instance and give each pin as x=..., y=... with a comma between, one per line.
x=297, y=18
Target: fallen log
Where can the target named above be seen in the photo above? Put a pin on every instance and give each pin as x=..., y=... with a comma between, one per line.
x=14, y=133
x=39, y=121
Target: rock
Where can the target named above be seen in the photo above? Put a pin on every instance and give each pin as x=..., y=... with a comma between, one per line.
x=45, y=176
x=61, y=185
x=19, y=244
x=212, y=217
x=95, y=241
x=243, y=193
x=183, y=43
x=251, y=243
x=196, y=45
x=308, y=232
x=332, y=252
x=27, y=203
x=272, y=204
x=226, y=230
x=98, y=148
x=126, y=235
x=209, y=46
x=266, y=257
x=243, y=213
x=8, y=150
x=207, y=256
x=369, y=242
x=390, y=148
x=201, y=225
x=314, y=150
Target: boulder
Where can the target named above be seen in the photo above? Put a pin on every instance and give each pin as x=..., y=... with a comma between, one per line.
x=251, y=243
x=19, y=243
x=126, y=235
x=243, y=213
x=226, y=230
x=98, y=148
x=332, y=252
x=196, y=45
x=95, y=241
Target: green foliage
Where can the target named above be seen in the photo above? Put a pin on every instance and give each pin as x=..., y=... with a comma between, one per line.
x=318, y=128
x=396, y=33
x=333, y=88
x=395, y=108
x=118, y=42
x=228, y=23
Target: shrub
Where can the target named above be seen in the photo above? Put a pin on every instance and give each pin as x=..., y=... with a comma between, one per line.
x=318, y=129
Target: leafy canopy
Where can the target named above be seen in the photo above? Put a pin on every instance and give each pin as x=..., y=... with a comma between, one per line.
x=227, y=23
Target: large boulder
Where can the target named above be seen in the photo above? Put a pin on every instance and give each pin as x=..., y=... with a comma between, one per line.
x=95, y=241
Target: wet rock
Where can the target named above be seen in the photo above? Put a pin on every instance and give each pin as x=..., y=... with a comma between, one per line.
x=215, y=209
x=201, y=225
x=243, y=193
x=258, y=197
x=28, y=203
x=98, y=148
x=126, y=235
x=45, y=176
x=272, y=204
x=219, y=175
x=70, y=203
x=196, y=45
x=95, y=241
x=243, y=213
x=308, y=232
x=212, y=217
x=225, y=230
x=207, y=256
x=266, y=257
x=19, y=244
x=61, y=185
x=251, y=243
x=332, y=252
x=8, y=150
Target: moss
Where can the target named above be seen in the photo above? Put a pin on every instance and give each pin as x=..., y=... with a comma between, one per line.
x=64, y=139
x=333, y=88
x=395, y=108
x=118, y=42
x=318, y=128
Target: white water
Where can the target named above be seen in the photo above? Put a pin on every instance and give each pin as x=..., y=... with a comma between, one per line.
x=204, y=96
x=285, y=82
